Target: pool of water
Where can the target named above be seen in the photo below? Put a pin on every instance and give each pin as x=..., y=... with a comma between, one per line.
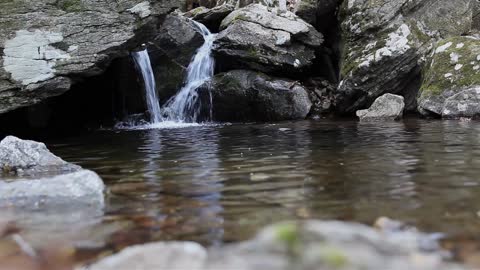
x=220, y=183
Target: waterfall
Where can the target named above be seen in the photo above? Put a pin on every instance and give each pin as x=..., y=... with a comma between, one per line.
x=186, y=106
x=142, y=60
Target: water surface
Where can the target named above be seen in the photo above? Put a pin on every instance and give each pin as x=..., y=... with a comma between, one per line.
x=221, y=183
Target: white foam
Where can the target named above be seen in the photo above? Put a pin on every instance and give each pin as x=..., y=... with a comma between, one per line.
x=159, y=125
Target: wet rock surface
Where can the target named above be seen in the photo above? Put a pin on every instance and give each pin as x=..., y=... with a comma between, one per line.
x=386, y=107
x=33, y=177
x=304, y=245
x=171, y=51
x=243, y=95
x=48, y=46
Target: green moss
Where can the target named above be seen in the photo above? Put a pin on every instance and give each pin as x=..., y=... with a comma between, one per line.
x=419, y=35
x=333, y=257
x=71, y=5
x=288, y=234
x=435, y=80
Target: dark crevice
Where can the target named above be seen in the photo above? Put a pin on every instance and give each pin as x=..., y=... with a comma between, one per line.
x=91, y=103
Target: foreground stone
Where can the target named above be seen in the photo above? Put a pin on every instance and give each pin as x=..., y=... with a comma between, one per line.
x=47, y=46
x=260, y=38
x=386, y=107
x=23, y=156
x=309, y=245
x=33, y=177
x=451, y=83
x=243, y=95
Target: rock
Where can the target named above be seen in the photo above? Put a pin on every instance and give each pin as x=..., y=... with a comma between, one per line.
x=169, y=255
x=242, y=95
x=49, y=180
x=320, y=13
x=465, y=104
x=322, y=96
x=453, y=74
x=258, y=38
x=47, y=46
x=211, y=18
x=386, y=107
x=171, y=52
x=17, y=154
x=386, y=42
x=306, y=245
x=82, y=187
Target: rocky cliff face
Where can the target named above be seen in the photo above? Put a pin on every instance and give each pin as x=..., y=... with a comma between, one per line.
x=362, y=49
x=386, y=43
x=48, y=45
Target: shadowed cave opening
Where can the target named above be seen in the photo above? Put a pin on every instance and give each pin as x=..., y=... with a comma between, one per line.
x=92, y=103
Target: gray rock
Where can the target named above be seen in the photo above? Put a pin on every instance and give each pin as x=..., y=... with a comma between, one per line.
x=80, y=188
x=171, y=51
x=211, y=18
x=261, y=39
x=33, y=177
x=242, y=95
x=47, y=45
x=466, y=104
x=386, y=43
x=24, y=155
x=386, y=107
x=454, y=68
x=309, y=245
x=169, y=255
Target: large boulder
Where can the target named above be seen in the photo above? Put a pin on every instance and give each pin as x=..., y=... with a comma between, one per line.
x=386, y=107
x=452, y=79
x=260, y=38
x=243, y=95
x=308, y=245
x=171, y=51
x=47, y=45
x=385, y=44
x=32, y=177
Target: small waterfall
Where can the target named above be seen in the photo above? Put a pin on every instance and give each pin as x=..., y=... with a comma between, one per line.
x=185, y=106
x=142, y=60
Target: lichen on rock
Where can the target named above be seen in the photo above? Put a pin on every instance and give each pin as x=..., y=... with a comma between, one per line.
x=453, y=68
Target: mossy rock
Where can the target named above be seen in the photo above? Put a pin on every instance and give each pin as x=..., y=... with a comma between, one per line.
x=454, y=65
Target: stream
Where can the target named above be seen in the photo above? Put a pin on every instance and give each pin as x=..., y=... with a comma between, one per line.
x=221, y=183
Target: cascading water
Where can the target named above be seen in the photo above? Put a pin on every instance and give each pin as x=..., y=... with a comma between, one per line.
x=142, y=60
x=185, y=106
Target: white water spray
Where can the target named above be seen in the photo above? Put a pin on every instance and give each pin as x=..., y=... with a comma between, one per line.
x=186, y=106
x=142, y=60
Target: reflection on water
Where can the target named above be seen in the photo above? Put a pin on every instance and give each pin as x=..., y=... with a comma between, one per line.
x=216, y=184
